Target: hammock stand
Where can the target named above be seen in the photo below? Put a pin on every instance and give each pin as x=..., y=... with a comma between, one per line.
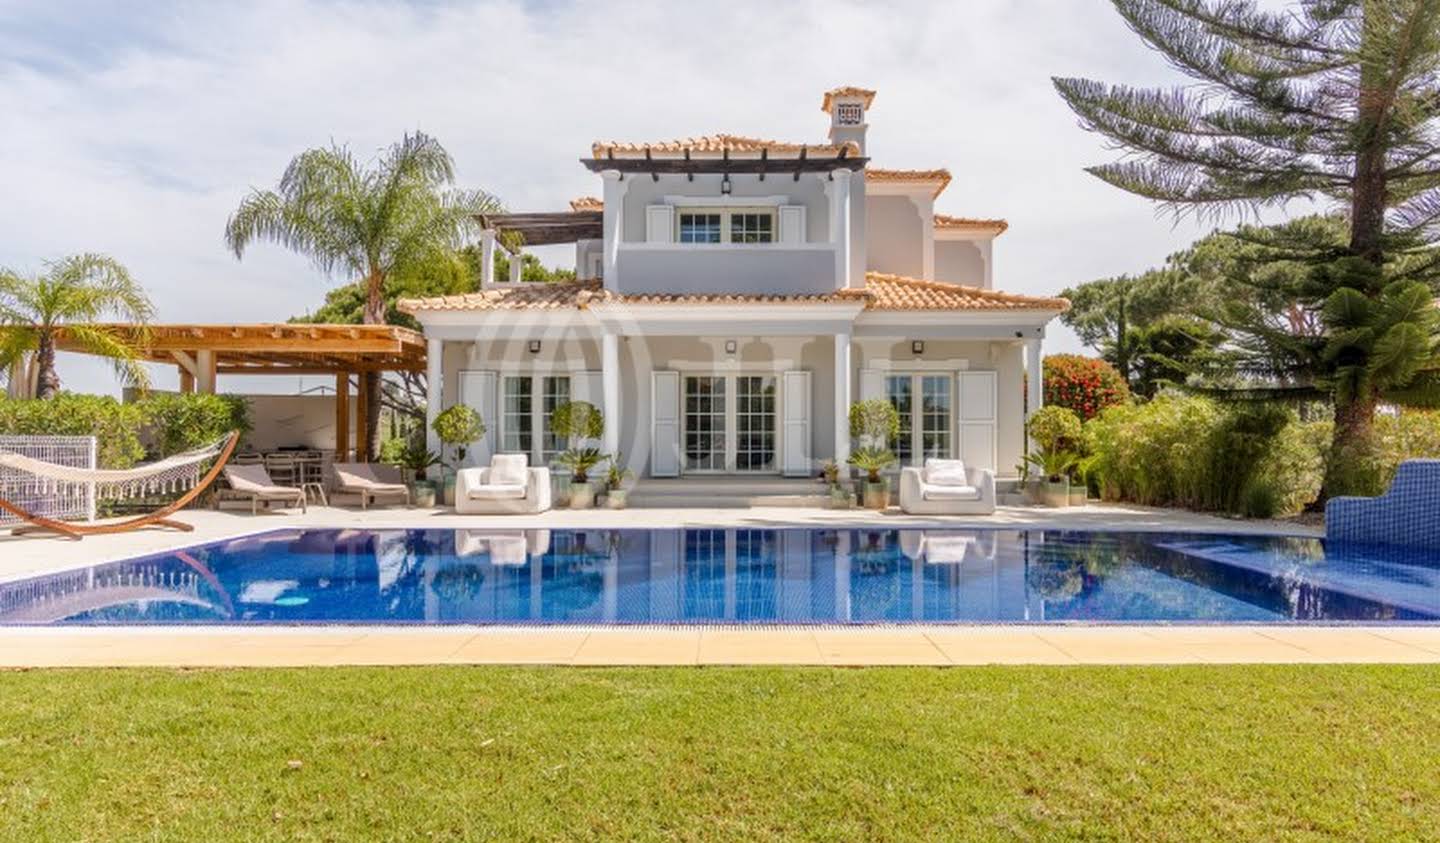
x=159, y=518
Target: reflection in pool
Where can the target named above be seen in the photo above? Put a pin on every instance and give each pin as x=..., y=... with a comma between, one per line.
x=739, y=576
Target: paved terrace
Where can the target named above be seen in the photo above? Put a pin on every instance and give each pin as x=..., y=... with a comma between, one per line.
x=22, y=557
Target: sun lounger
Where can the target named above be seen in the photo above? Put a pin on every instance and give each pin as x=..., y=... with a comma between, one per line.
x=253, y=482
x=365, y=481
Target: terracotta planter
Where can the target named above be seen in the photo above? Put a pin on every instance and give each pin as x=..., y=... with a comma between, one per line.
x=1078, y=495
x=841, y=497
x=582, y=495
x=422, y=493
x=877, y=495
x=1057, y=495
x=560, y=489
x=1035, y=492
x=616, y=499
x=448, y=496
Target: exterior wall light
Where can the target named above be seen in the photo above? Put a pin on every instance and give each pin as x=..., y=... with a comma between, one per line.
x=534, y=346
x=730, y=346
x=725, y=185
x=917, y=346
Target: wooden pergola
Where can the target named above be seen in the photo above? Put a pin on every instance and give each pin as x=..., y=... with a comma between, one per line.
x=202, y=353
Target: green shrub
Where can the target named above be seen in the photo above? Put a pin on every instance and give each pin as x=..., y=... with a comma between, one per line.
x=115, y=425
x=1369, y=467
x=1246, y=459
x=1055, y=428
x=874, y=422
x=459, y=426
x=168, y=422
x=182, y=421
x=1084, y=385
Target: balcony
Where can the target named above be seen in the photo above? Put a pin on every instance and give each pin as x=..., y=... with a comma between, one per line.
x=741, y=269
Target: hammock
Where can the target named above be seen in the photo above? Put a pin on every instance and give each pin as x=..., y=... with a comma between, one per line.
x=169, y=474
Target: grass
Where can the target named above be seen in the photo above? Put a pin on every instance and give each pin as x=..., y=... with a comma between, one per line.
x=1183, y=753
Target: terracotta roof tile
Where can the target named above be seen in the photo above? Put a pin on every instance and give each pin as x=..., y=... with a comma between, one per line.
x=586, y=203
x=881, y=292
x=939, y=178
x=947, y=222
x=847, y=91
x=897, y=292
x=715, y=144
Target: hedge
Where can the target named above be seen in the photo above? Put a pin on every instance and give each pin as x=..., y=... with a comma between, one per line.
x=168, y=422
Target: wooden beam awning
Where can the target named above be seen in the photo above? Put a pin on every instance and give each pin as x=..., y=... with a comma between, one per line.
x=274, y=349
x=727, y=164
x=546, y=229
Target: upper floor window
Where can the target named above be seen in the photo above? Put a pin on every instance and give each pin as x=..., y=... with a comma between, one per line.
x=726, y=225
x=700, y=226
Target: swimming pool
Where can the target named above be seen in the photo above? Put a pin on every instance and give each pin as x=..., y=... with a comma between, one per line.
x=739, y=576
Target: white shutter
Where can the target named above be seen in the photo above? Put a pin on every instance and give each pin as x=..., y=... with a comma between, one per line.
x=792, y=223
x=589, y=387
x=795, y=439
x=976, y=418
x=659, y=224
x=872, y=385
x=477, y=389
x=664, y=424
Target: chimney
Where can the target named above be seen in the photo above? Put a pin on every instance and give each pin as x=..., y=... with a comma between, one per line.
x=847, y=107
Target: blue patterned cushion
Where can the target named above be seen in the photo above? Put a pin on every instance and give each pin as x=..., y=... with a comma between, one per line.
x=1408, y=514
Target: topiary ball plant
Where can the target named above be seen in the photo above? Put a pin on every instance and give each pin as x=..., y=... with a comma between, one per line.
x=1055, y=428
x=576, y=421
x=874, y=422
x=458, y=427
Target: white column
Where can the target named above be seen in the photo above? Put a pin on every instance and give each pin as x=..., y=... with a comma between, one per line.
x=1034, y=381
x=434, y=391
x=843, y=378
x=487, y=258
x=517, y=266
x=840, y=225
x=610, y=390
x=614, y=220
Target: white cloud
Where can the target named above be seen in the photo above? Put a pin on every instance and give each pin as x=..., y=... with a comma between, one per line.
x=137, y=135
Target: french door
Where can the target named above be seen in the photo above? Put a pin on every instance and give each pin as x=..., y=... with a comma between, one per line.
x=926, y=407
x=730, y=424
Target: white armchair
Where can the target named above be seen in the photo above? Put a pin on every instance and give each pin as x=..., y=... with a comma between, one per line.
x=947, y=487
x=507, y=486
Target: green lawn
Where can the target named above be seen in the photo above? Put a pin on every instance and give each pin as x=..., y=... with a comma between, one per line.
x=1187, y=753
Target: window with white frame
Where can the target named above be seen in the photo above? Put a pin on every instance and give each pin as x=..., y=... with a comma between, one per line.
x=725, y=225
x=526, y=404
x=926, y=407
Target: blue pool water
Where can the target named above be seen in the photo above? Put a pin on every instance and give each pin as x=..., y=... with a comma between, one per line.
x=739, y=576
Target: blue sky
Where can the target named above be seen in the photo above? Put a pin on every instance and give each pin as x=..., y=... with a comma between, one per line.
x=134, y=128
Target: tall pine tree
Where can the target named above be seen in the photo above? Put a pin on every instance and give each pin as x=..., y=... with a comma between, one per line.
x=1334, y=100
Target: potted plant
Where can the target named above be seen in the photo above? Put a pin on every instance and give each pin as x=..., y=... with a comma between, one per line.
x=873, y=424
x=616, y=494
x=1056, y=431
x=872, y=461
x=840, y=497
x=577, y=421
x=1055, y=468
x=416, y=460
x=457, y=427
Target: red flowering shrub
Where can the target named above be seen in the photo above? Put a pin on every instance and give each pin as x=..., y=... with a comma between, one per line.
x=1085, y=385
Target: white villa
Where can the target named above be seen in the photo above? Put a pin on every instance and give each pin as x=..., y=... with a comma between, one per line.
x=736, y=296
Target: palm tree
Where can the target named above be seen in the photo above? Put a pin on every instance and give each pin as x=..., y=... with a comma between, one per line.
x=363, y=221
x=67, y=298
